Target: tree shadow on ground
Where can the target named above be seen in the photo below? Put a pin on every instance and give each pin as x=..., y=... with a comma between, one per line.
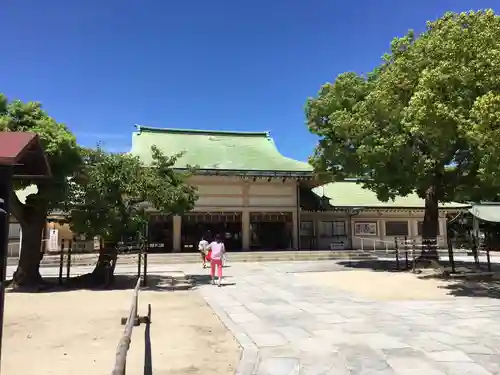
x=374, y=265
x=465, y=286
x=390, y=265
x=156, y=283
x=485, y=287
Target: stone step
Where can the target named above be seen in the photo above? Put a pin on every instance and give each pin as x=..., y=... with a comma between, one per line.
x=264, y=256
x=442, y=253
x=172, y=283
x=255, y=256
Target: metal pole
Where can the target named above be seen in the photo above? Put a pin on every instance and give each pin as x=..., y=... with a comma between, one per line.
x=488, y=258
x=61, y=263
x=5, y=191
x=139, y=260
x=68, y=263
x=406, y=253
x=145, y=254
x=396, y=246
x=145, y=272
x=450, y=253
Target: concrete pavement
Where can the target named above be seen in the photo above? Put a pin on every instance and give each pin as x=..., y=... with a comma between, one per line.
x=288, y=327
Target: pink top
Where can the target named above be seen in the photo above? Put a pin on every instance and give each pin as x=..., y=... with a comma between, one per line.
x=217, y=250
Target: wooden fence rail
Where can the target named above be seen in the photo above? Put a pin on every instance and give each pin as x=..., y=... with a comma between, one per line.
x=130, y=322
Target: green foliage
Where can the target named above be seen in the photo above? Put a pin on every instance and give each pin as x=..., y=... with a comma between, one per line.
x=113, y=190
x=427, y=117
x=59, y=145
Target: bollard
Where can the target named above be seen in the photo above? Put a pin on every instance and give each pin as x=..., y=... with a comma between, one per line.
x=61, y=263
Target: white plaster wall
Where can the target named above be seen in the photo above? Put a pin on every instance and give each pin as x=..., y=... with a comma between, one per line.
x=278, y=189
x=219, y=189
x=379, y=241
x=287, y=202
x=219, y=201
x=230, y=194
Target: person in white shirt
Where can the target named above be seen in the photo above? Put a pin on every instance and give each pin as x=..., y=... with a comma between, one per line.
x=217, y=250
x=203, y=248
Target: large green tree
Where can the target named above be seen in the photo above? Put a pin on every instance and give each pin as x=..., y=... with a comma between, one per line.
x=111, y=195
x=64, y=159
x=423, y=120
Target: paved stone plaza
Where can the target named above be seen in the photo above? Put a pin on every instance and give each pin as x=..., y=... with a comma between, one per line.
x=289, y=327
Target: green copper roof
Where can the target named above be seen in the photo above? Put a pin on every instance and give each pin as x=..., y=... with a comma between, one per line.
x=351, y=194
x=487, y=212
x=216, y=150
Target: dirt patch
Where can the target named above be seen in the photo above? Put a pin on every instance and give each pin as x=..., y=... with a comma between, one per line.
x=383, y=286
x=77, y=332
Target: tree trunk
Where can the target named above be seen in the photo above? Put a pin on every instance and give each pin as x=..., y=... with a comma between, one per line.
x=103, y=273
x=430, y=226
x=28, y=269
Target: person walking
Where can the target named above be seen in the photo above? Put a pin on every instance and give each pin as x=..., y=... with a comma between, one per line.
x=217, y=250
x=203, y=249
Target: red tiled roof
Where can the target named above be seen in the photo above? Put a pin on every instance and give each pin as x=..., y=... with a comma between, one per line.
x=12, y=145
x=23, y=151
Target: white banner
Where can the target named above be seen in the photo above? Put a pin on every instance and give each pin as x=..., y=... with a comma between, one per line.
x=54, y=240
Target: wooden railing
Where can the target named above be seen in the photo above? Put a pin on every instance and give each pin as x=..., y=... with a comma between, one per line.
x=130, y=322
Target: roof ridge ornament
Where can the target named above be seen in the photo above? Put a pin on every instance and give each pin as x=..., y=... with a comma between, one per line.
x=141, y=128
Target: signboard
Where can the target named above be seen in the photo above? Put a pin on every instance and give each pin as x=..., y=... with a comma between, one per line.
x=53, y=240
x=97, y=243
x=365, y=229
x=337, y=245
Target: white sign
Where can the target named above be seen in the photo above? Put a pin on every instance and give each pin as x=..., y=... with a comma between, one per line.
x=365, y=229
x=97, y=243
x=54, y=240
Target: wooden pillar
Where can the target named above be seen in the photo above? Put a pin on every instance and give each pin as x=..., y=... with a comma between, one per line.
x=245, y=217
x=413, y=228
x=442, y=232
x=381, y=228
x=296, y=218
x=245, y=230
x=295, y=230
x=316, y=231
x=176, y=233
x=475, y=226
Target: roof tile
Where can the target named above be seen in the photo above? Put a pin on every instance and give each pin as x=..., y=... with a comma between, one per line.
x=352, y=194
x=220, y=150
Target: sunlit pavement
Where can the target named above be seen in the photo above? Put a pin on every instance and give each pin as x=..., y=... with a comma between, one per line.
x=287, y=326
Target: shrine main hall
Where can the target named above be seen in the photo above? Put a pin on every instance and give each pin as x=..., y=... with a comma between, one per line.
x=258, y=199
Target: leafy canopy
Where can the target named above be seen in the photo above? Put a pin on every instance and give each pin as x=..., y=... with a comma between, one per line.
x=58, y=143
x=113, y=190
x=426, y=117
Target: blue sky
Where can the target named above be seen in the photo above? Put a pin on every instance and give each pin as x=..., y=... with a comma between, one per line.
x=103, y=66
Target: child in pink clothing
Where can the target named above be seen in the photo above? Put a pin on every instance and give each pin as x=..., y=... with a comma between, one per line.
x=218, y=250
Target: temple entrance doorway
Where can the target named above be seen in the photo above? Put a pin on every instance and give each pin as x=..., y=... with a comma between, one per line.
x=160, y=234
x=271, y=231
x=197, y=224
